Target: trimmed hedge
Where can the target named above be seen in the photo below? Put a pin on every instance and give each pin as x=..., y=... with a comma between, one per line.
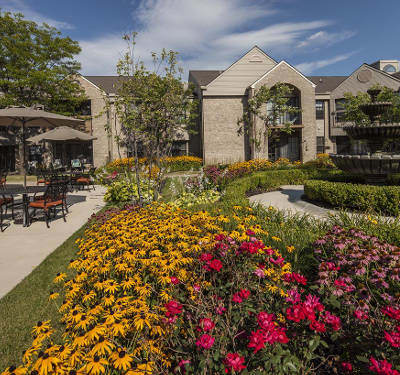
x=269, y=180
x=380, y=199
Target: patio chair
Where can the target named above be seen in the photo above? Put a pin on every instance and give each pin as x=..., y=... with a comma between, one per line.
x=76, y=164
x=55, y=196
x=85, y=179
x=3, y=179
x=5, y=203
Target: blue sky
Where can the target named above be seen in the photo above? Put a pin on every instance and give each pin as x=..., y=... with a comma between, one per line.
x=319, y=37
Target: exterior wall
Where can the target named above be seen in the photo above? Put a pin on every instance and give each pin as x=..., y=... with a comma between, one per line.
x=102, y=151
x=353, y=84
x=284, y=73
x=221, y=142
x=238, y=77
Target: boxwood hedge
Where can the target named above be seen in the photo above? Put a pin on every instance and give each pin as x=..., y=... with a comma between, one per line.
x=372, y=198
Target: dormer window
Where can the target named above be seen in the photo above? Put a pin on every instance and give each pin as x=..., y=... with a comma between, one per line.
x=389, y=68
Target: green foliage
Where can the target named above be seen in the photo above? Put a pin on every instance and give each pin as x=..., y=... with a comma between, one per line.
x=355, y=115
x=37, y=66
x=278, y=99
x=187, y=199
x=123, y=191
x=380, y=199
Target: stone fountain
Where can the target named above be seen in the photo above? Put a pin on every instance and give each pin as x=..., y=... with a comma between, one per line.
x=378, y=163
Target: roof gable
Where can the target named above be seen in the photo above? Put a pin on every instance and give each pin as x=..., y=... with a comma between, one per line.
x=203, y=77
x=326, y=84
x=359, y=81
x=109, y=84
x=236, y=79
x=283, y=62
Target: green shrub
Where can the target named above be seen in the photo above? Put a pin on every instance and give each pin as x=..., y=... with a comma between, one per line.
x=188, y=199
x=380, y=199
x=123, y=191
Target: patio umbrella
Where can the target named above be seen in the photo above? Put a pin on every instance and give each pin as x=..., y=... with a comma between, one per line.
x=22, y=116
x=62, y=133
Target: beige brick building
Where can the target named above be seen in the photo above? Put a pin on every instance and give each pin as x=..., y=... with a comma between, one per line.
x=223, y=98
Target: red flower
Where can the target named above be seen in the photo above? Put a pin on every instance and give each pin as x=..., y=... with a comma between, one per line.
x=205, y=341
x=220, y=237
x=393, y=338
x=206, y=324
x=206, y=257
x=257, y=340
x=360, y=314
x=265, y=320
x=295, y=313
x=382, y=367
x=173, y=308
x=234, y=362
x=244, y=293
x=174, y=280
x=215, y=264
x=317, y=326
x=237, y=298
x=346, y=366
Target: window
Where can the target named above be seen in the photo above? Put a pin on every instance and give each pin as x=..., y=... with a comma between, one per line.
x=320, y=109
x=389, y=68
x=293, y=118
x=178, y=148
x=340, y=110
x=320, y=145
x=85, y=109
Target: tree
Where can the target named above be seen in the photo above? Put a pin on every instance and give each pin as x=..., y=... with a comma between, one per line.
x=37, y=66
x=154, y=108
x=355, y=115
x=268, y=107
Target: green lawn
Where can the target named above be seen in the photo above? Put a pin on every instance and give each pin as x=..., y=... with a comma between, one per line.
x=28, y=302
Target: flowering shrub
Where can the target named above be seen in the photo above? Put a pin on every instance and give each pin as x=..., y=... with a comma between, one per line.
x=172, y=163
x=219, y=175
x=321, y=161
x=359, y=277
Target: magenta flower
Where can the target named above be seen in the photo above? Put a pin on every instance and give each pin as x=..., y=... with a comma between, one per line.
x=205, y=341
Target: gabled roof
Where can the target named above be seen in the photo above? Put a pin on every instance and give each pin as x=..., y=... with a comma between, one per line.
x=325, y=84
x=283, y=62
x=397, y=75
x=255, y=48
x=204, y=77
x=107, y=83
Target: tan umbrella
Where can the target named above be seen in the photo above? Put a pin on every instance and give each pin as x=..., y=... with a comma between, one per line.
x=62, y=133
x=22, y=116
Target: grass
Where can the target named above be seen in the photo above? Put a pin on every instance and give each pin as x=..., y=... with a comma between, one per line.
x=16, y=178
x=28, y=303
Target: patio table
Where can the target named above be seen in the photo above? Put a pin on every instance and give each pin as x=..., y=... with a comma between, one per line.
x=25, y=191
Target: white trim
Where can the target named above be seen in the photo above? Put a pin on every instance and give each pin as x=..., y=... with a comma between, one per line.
x=254, y=48
x=275, y=67
x=87, y=80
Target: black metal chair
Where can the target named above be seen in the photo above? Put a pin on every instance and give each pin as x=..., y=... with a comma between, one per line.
x=55, y=196
x=3, y=178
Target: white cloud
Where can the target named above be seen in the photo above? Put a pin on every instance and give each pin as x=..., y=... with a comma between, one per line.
x=209, y=34
x=19, y=6
x=325, y=39
x=309, y=67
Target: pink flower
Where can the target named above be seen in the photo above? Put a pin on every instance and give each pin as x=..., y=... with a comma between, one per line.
x=182, y=364
x=317, y=326
x=393, y=338
x=220, y=309
x=264, y=319
x=257, y=340
x=295, y=313
x=215, y=264
x=259, y=272
x=206, y=324
x=196, y=288
x=347, y=366
x=174, y=280
x=332, y=320
x=205, y=341
x=360, y=314
x=382, y=367
x=220, y=237
x=244, y=293
x=234, y=361
x=279, y=261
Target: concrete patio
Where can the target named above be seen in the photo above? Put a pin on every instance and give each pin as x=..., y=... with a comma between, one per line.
x=22, y=249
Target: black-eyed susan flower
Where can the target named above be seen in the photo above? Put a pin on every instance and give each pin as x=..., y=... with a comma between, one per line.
x=95, y=365
x=121, y=360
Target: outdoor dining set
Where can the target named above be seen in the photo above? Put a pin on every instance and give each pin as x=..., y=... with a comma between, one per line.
x=48, y=196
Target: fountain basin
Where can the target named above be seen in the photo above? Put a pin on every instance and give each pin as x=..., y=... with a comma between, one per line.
x=373, y=132
x=375, y=168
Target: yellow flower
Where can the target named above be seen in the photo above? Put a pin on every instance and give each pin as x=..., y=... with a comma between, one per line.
x=95, y=365
x=46, y=364
x=121, y=360
x=290, y=249
x=41, y=327
x=60, y=277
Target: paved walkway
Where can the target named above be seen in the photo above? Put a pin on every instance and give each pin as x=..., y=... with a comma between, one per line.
x=22, y=249
x=288, y=199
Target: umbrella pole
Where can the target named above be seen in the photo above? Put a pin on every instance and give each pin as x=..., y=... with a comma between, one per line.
x=24, y=151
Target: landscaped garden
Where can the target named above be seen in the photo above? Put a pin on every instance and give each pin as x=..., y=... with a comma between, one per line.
x=218, y=286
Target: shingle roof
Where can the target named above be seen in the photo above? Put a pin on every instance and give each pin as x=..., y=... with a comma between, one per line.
x=326, y=83
x=106, y=83
x=397, y=75
x=204, y=77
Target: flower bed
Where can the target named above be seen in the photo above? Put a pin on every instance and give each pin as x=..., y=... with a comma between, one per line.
x=161, y=290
